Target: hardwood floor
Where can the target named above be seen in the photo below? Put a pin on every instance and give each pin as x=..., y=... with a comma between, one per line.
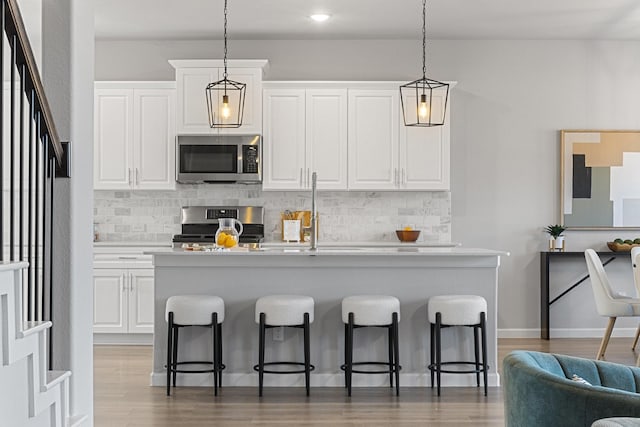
x=124, y=398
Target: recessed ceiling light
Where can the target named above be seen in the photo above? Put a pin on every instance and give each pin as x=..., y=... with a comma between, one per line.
x=320, y=17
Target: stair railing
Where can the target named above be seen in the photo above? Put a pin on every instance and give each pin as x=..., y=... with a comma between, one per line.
x=31, y=156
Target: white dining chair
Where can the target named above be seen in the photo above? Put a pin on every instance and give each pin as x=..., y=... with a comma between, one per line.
x=635, y=263
x=609, y=303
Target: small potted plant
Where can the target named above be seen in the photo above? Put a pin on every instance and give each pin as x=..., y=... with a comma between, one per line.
x=556, y=239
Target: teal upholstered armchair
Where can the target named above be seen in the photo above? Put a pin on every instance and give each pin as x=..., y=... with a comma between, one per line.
x=538, y=390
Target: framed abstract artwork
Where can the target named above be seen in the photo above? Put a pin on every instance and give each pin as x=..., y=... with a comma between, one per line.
x=600, y=179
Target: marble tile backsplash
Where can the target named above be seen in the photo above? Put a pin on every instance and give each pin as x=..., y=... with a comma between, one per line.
x=154, y=216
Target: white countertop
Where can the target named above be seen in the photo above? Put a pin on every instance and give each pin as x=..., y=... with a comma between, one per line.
x=336, y=251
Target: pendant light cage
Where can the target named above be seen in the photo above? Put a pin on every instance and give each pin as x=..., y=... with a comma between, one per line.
x=225, y=98
x=424, y=101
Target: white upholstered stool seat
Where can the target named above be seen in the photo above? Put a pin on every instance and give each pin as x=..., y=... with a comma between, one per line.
x=370, y=310
x=284, y=310
x=194, y=310
x=457, y=310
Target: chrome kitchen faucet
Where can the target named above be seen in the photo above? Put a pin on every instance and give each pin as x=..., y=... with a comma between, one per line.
x=314, y=213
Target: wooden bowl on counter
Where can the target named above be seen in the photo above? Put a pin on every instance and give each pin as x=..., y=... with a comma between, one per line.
x=621, y=247
x=408, y=235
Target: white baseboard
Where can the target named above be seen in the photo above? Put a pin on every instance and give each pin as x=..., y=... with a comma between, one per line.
x=566, y=333
x=122, y=339
x=323, y=380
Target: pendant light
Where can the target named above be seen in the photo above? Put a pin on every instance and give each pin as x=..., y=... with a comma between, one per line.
x=424, y=101
x=225, y=98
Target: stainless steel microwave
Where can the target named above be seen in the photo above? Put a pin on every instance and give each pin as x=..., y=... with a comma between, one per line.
x=218, y=158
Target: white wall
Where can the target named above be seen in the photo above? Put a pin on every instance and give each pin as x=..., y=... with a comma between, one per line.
x=68, y=33
x=511, y=100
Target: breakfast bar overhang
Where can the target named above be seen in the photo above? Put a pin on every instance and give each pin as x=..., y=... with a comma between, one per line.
x=328, y=275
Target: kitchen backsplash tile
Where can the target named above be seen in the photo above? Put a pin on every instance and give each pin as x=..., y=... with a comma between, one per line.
x=154, y=216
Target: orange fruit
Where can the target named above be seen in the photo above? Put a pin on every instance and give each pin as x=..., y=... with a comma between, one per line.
x=222, y=239
x=229, y=242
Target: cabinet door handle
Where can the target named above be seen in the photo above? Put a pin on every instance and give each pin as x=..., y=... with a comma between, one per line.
x=127, y=257
x=137, y=177
x=308, y=179
x=301, y=182
x=129, y=175
x=130, y=282
x=395, y=176
x=124, y=285
x=404, y=181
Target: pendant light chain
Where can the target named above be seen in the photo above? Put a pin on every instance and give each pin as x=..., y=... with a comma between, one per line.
x=424, y=39
x=225, y=40
x=225, y=97
x=424, y=101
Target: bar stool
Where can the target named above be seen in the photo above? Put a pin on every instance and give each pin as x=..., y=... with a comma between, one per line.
x=458, y=310
x=194, y=310
x=293, y=311
x=362, y=311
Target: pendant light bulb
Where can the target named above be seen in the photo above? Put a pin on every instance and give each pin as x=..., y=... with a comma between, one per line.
x=423, y=110
x=226, y=111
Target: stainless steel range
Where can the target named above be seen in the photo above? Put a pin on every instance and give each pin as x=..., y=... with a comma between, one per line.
x=200, y=223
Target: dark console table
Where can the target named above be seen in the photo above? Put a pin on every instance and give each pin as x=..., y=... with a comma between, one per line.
x=545, y=260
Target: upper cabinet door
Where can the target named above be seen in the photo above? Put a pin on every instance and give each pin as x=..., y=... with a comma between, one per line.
x=193, y=114
x=326, y=138
x=373, y=139
x=424, y=155
x=283, y=141
x=252, y=115
x=154, y=139
x=192, y=101
x=113, y=134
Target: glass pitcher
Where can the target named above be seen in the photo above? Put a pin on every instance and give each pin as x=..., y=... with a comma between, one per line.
x=228, y=235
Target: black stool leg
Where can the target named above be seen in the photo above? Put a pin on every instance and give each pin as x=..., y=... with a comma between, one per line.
x=433, y=350
x=396, y=351
x=169, y=350
x=349, y=361
x=214, y=328
x=261, y=354
x=391, y=356
x=175, y=353
x=476, y=350
x=438, y=348
x=346, y=354
x=307, y=353
x=219, y=354
x=483, y=329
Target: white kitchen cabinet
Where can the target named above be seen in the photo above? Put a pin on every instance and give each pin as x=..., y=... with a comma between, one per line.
x=134, y=136
x=109, y=300
x=140, y=303
x=425, y=154
x=123, y=305
x=123, y=301
x=305, y=131
x=192, y=78
x=373, y=139
x=386, y=155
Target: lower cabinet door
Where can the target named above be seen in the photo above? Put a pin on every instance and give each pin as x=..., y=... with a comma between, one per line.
x=141, y=303
x=110, y=300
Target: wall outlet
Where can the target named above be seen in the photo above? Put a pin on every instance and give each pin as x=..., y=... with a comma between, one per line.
x=278, y=333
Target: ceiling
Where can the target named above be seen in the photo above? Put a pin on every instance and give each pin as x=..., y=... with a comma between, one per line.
x=369, y=19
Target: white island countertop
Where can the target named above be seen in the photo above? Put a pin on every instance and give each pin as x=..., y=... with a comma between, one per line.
x=334, y=250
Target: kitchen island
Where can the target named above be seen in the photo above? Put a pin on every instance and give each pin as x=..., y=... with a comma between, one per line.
x=412, y=274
